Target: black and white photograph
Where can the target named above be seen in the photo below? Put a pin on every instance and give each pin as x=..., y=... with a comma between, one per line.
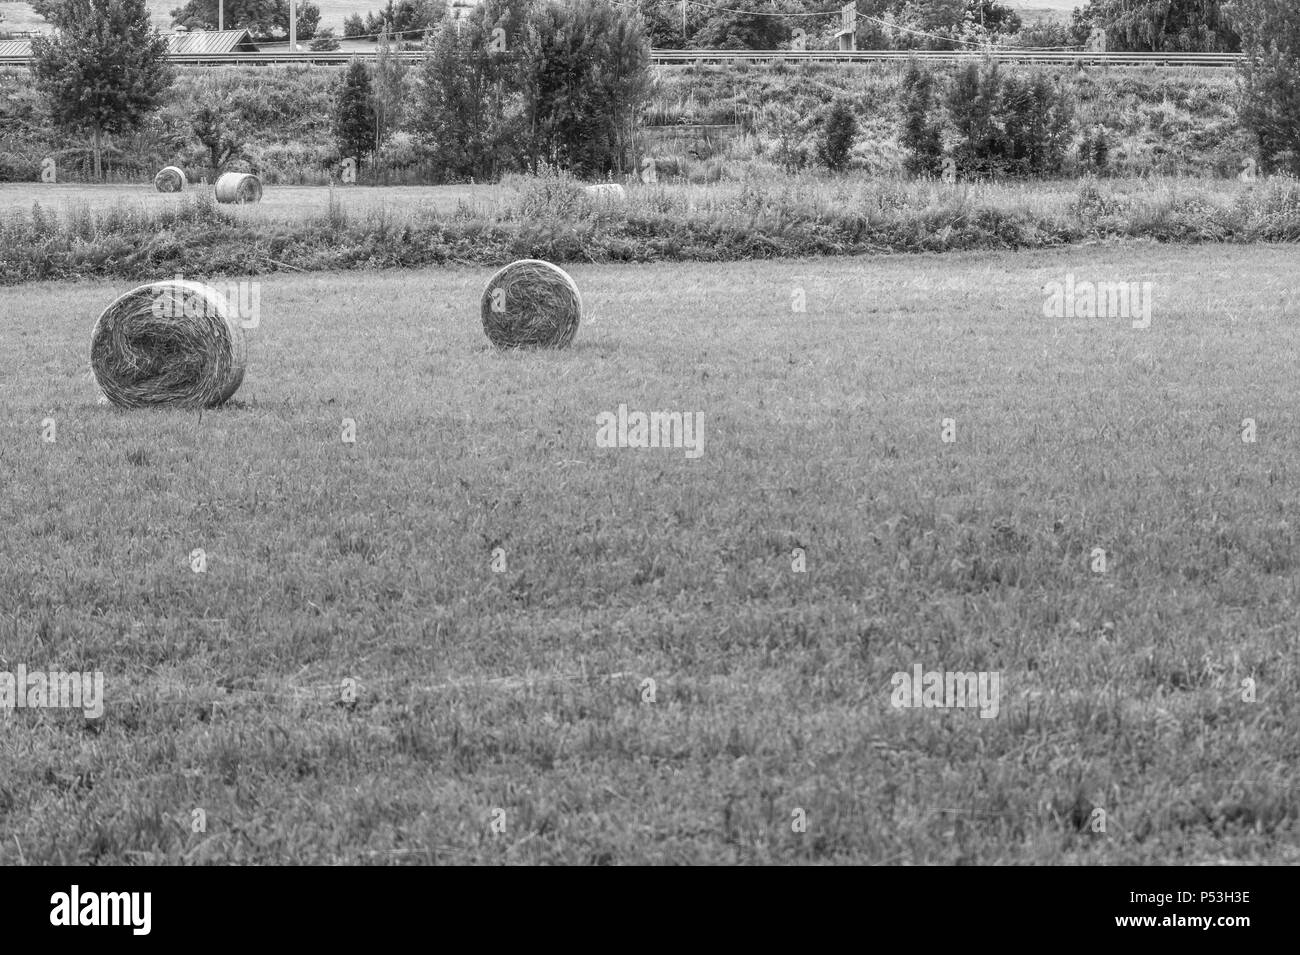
x=651, y=433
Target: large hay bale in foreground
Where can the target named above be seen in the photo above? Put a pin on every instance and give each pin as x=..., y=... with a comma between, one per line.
x=168, y=343
x=238, y=187
x=531, y=304
x=170, y=179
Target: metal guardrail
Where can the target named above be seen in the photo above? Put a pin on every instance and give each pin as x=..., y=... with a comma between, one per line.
x=702, y=57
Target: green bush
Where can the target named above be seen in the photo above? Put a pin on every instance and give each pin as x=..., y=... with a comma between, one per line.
x=354, y=118
x=921, y=134
x=1007, y=124
x=836, y=140
x=324, y=40
x=551, y=193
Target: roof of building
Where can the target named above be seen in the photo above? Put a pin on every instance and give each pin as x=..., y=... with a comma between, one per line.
x=15, y=47
x=213, y=41
x=203, y=42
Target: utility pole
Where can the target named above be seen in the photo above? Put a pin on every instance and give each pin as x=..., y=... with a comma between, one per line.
x=683, y=24
x=221, y=14
x=293, y=26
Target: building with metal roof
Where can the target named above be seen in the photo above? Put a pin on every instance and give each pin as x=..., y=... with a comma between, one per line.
x=211, y=41
x=15, y=47
x=199, y=42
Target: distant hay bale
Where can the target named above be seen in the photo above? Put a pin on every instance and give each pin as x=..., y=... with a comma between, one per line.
x=607, y=192
x=238, y=187
x=168, y=343
x=170, y=179
x=531, y=304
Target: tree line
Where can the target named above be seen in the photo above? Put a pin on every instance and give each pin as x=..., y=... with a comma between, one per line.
x=565, y=82
x=1122, y=25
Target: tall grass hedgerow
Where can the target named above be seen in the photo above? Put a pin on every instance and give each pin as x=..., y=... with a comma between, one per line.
x=551, y=218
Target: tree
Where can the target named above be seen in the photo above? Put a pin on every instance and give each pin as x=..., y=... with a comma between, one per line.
x=1036, y=124
x=972, y=108
x=933, y=24
x=324, y=40
x=261, y=18
x=468, y=109
x=390, y=77
x=663, y=23
x=563, y=83
x=104, y=69
x=585, y=75
x=308, y=18
x=1196, y=26
x=993, y=16
x=746, y=25
x=838, y=133
x=786, y=126
x=354, y=25
x=406, y=19
x=1270, y=79
x=922, y=131
x=1008, y=125
x=1051, y=35
x=450, y=113
x=221, y=142
x=1094, y=151
x=929, y=24
x=354, y=120
x=47, y=10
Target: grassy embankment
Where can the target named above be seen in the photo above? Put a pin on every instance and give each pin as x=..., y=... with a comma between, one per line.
x=1162, y=122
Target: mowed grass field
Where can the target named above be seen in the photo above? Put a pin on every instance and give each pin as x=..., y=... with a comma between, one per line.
x=524, y=689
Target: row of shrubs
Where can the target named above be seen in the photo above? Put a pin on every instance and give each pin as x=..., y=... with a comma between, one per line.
x=551, y=217
x=277, y=122
x=1124, y=122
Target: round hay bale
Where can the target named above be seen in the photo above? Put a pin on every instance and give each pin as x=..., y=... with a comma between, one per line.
x=607, y=192
x=531, y=304
x=238, y=187
x=170, y=179
x=168, y=343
